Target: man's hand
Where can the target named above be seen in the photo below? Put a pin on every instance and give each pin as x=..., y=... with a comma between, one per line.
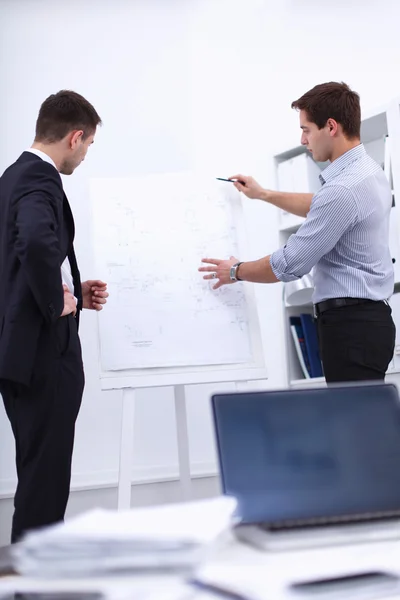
x=218, y=269
x=249, y=187
x=69, y=303
x=94, y=294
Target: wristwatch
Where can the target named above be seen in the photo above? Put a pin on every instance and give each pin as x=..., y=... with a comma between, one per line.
x=233, y=271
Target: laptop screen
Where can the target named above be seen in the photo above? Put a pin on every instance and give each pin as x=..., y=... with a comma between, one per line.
x=310, y=454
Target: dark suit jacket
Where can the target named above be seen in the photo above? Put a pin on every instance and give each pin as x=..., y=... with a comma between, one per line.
x=36, y=235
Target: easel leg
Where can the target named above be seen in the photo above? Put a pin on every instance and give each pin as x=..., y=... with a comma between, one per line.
x=183, y=442
x=126, y=448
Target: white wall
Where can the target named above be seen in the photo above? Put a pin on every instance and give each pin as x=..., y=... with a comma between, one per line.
x=145, y=67
x=180, y=84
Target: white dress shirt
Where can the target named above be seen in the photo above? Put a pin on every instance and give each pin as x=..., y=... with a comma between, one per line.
x=66, y=273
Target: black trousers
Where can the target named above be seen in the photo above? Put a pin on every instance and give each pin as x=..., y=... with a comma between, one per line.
x=42, y=418
x=356, y=342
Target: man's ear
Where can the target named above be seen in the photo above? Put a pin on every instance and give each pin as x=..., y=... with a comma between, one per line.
x=75, y=138
x=333, y=126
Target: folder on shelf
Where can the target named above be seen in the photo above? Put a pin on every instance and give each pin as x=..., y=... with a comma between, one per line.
x=300, y=345
x=311, y=342
x=304, y=332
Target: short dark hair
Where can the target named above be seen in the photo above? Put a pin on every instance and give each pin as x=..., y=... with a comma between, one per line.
x=64, y=112
x=332, y=101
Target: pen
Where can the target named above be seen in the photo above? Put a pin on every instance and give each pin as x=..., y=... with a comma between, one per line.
x=230, y=180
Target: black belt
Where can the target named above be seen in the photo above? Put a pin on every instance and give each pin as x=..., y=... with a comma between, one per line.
x=321, y=307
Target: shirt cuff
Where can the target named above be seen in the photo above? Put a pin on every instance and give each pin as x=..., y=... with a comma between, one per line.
x=279, y=266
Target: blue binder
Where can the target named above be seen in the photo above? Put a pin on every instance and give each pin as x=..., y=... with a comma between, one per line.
x=296, y=322
x=311, y=342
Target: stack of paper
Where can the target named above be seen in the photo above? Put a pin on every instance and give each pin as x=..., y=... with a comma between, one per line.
x=169, y=537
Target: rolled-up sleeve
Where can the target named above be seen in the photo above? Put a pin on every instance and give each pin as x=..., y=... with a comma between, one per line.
x=333, y=212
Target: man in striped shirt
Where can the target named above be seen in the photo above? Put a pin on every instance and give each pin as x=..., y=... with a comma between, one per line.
x=345, y=238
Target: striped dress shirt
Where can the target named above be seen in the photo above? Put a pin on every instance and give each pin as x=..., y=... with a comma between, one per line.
x=345, y=237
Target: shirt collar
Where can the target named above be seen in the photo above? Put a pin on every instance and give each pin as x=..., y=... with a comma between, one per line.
x=42, y=155
x=341, y=163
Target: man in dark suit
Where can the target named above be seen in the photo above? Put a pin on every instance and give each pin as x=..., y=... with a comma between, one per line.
x=41, y=295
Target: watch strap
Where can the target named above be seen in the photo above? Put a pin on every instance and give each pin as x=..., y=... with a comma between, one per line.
x=233, y=272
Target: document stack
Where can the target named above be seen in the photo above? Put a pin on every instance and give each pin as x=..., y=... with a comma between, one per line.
x=174, y=537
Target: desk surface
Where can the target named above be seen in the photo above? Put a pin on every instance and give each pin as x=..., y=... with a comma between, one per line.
x=257, y=574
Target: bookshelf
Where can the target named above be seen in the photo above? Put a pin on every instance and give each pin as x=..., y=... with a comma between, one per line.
x=296, y=171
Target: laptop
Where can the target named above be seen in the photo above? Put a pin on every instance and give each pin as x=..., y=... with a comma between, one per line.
x=311, y=466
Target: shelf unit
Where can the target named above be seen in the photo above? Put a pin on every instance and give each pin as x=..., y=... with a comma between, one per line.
x=296, y=171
